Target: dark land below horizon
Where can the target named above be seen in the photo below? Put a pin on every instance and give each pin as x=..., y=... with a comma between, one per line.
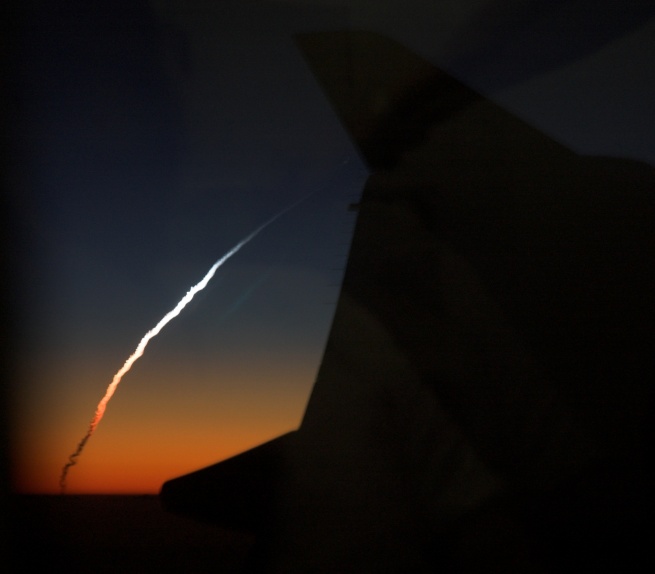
x=117, y=533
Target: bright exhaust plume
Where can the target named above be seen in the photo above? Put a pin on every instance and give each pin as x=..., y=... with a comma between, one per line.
x=111, y=389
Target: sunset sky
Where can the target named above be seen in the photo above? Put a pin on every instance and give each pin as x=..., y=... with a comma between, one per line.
x=142, y=177
x=150, y=139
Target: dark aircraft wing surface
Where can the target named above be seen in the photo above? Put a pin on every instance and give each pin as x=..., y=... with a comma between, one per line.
x=484, y=396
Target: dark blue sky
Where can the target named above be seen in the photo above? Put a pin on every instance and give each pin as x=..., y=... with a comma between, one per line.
x=139, y=169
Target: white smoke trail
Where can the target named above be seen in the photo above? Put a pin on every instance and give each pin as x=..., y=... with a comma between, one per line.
x=111, y=389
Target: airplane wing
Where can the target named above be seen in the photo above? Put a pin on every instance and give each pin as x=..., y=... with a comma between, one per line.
x=485, y=383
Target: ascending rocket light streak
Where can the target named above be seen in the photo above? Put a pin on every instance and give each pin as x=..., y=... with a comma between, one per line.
x=111, y=389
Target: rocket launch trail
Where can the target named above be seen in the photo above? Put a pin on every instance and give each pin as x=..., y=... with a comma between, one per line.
x=111, y=389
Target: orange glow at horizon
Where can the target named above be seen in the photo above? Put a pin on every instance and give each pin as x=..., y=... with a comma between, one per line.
x=121, y=471
x=178, y=417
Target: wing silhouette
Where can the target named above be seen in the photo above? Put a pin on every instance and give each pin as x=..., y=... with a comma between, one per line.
x=485, y=385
